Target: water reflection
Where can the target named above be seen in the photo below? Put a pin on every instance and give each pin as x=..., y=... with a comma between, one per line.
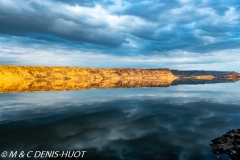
x=29, y=85
x=146, y=123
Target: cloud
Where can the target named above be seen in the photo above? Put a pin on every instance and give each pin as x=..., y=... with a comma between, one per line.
x=123, y=28
x=169, y=25
x=75, y=23
x=24, y=51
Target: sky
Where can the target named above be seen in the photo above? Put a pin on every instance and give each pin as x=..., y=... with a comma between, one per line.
x=175, y=34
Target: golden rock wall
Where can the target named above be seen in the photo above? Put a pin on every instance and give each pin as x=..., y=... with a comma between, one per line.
x=41, y=78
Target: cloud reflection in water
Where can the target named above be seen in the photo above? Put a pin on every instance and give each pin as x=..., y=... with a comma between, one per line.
x=156, y=123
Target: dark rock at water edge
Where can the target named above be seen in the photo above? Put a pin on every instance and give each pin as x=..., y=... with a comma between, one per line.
x=228, y=144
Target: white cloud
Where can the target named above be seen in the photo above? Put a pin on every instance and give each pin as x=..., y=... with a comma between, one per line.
x=67, y=56
x=120, y=34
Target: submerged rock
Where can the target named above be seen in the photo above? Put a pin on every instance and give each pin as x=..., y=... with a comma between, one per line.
x=229, y=144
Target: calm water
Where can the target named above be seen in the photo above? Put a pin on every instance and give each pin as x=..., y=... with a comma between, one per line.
x=175, y=123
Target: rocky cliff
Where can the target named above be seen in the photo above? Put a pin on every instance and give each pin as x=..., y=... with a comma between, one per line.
x=42, y=78
x=33, y=78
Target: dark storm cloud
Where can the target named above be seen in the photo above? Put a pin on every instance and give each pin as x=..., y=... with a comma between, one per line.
x=35, y=17
x=152, y=26
x=221, y=45
x=85, y=3
x=78, y=2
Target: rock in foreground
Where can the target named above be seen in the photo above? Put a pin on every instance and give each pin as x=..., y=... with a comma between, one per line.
x=228, y=144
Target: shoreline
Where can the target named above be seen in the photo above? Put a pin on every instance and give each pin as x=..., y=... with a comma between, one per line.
x=43, y=78
x=60, y=78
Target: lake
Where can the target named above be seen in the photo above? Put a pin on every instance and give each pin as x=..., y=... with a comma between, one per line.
x=166, y=123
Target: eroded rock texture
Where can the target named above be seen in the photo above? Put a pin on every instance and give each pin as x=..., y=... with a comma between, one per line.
x=42, y=78
x=33, y=78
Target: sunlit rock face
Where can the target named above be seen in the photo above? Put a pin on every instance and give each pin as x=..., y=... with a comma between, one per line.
x=33, y=78
x=42, y=78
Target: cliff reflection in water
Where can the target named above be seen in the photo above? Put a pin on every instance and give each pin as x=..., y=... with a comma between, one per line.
x=65, y=85
x=61, y=85
x=33, y=78
x=168, y=123
x=171, y=123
